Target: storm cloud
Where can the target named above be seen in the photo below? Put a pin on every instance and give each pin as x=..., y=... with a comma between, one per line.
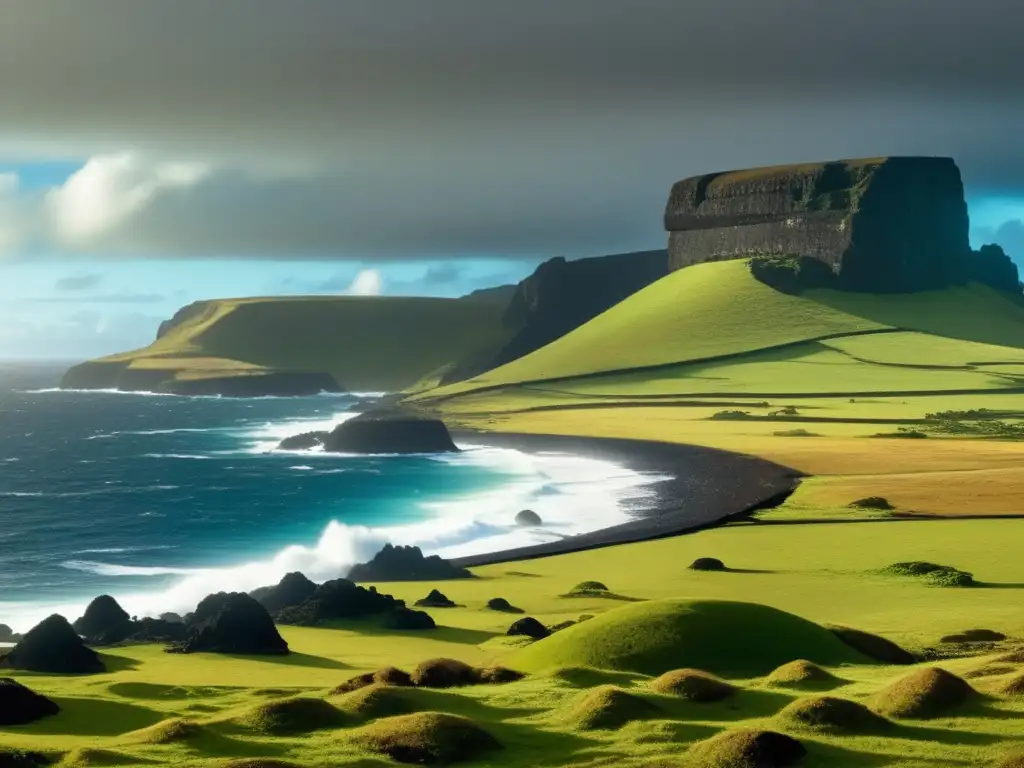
x=397, y=129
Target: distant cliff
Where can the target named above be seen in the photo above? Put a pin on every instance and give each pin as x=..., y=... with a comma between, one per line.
x=562, y=295
x=895, y=224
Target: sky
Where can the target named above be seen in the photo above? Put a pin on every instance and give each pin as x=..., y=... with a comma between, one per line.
x=154, y=153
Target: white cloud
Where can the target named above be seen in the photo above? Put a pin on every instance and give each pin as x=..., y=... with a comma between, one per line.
x=367, y=283
x=109, y=190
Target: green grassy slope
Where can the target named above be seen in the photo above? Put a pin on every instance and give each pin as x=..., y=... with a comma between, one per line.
x=719, y=314
x=366, y=343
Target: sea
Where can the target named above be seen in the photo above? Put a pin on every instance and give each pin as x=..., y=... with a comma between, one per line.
x=160, y=500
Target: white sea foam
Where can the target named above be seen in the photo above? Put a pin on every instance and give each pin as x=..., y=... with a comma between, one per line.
x=571, y=494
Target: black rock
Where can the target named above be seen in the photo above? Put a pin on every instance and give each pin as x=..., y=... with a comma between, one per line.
x=390, y=431
x=406, y=618
x=503, y=605
x=337, y=599
x=995, y=269
x=707, y=564
x=528, y=518
x=53, y=646
x=20, y=705
x=406, y=564
x=173, y=618
x=104, y=623
x=232, y=622
x=435, y=599
x=303, y=442
x=529, y=627
x=294, y=589
x=6, y=634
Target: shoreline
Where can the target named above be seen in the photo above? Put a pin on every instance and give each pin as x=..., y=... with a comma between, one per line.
x=705, y=487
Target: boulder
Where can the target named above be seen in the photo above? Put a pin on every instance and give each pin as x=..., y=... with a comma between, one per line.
x=337, y=599
x=293, y=589
x=53, y=646
x=896, y=224
x=503, y=605
x=104, y=622
x=528, y=518
x=305, y=441
x=707, y=564
x=232, y=622
x=20, y=705
x=528, y=627
x=408, y=619
x=390, y=430
x=406, y=564
x=435, y=599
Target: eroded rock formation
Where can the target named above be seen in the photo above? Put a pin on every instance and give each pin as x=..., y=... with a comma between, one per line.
x=406, y=564
x=895, y=224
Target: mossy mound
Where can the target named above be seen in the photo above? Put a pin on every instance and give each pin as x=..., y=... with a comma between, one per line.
x=384, y=676
x=745, y=748
x=444, y=673
x=89, y=756
x=588, y=589
x=692, y=685
x=873, y=646
x=707, y=564
x=172, y=731
x=832, y=715
x=652, y=637
x=426, y=738
x=292, y=716
x=924, y=693
x=1013, y=687
x=802, y=674
x=606, y=707
x=873, y=502
x=503, y=605
x=378, y=700
x=931, y=573
x=497, y=675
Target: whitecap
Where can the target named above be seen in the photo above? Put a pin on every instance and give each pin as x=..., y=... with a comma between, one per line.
x=196, y=457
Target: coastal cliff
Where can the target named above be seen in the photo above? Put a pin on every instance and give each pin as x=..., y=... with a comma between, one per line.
x=881, y=225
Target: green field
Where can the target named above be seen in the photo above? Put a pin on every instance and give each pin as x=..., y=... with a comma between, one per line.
x=718, y=314
x=367, y=343
x=792, y=568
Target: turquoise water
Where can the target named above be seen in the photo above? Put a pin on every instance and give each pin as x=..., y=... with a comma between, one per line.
x=160, y=500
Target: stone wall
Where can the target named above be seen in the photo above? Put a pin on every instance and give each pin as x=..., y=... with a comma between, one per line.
x=882, y=224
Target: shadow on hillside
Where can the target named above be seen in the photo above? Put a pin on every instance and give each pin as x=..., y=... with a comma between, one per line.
x=293, y=659
x=94, y=717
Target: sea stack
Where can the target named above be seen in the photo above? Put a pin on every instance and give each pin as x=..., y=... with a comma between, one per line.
x=881, y=225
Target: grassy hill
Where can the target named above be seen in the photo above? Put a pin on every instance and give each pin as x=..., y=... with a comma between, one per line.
x=366, y=343
x=698, y=320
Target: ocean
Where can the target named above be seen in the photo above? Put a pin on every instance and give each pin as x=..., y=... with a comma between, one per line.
x=160, y=500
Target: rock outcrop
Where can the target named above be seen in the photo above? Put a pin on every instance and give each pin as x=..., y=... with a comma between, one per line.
x=880, y=225
x=390, y=431
x=293, y=589
x=528, y=627
x=559, y=297
x=992, y=267
x=338, y=599
x=528, y=518
x=408, y=619
x=232, y=622
x=20, y=705
x=104, y=622
x=436, y=599
x=406, y=564
x=53, y=646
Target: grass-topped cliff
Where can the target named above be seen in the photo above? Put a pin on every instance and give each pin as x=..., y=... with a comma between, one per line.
x=364, y=343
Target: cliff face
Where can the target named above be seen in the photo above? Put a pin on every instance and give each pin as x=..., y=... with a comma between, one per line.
x=881, y=225
x=562, y=295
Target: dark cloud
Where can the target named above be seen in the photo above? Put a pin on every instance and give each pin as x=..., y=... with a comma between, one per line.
x=400, y=128
x=78, y=282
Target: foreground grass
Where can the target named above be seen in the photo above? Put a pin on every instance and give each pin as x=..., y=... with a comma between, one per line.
x=795, y=568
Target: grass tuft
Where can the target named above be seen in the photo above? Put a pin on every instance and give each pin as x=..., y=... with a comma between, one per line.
x=292, y=716
x=829, y=714
x=607, y=707
x=172, y=731
x=924, y=693
x=428, y=738
x=745, y=748
x=802, y=674
x=692, y=685
x=90, y=756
